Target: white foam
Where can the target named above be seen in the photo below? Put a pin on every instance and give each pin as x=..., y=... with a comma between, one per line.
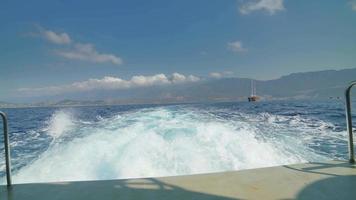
x=160, y=142
x=60, y=123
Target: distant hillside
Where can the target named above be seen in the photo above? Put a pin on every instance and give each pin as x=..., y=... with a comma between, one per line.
x=8, y=105
x=321, y=84
x=306, y=85
x=315, y=85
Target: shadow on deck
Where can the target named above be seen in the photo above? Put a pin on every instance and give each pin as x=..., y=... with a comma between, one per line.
x=323, y=180
x=149, y=188
x=338, y=187
x=335, y=186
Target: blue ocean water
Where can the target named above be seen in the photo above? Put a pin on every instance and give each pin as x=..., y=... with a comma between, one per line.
x=108, y=142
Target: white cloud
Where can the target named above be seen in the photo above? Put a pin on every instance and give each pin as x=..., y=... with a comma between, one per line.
x=87, y=52
x=192, y=78
x=215, y=75
x=271, y=6
x=180, y=78
x=353, y=5
x=176, y=78
x=223, y=74
x=110, y=83
x=56, y=38
x=236, y=46
x=77, y=51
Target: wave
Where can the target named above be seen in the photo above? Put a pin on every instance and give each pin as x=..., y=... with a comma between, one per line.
x=60, y=123
x=171, y=140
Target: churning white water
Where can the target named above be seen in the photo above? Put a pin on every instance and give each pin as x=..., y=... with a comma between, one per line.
x=60, y=123
x=166, y=141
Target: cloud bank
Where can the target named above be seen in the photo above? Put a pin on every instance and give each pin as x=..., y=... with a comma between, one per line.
x=270, y=6
x=218, y=75
x=110, y=83
x=87, y=52
x=78, y=51
x=56, y=38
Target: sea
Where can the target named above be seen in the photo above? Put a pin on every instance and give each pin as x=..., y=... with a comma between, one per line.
x=130, y=141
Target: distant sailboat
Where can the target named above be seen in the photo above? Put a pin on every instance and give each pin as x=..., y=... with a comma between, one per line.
x=253, y=97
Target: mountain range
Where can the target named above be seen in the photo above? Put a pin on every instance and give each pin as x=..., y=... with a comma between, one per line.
x=305, y=85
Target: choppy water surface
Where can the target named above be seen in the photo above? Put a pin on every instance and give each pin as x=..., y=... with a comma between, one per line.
x=107, y=142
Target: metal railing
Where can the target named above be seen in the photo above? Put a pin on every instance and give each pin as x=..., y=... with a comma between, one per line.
x=7, y=149
x=349, y=121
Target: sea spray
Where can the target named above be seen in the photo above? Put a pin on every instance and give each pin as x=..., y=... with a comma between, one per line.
x=60, y=123
x=164, y=141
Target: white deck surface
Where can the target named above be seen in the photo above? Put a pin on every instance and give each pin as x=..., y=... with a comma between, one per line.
x=325, y=180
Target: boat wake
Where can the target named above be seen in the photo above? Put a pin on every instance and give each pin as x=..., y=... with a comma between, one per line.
x=173, y=140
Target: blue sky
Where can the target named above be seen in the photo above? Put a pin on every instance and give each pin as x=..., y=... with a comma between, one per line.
x=68, y=46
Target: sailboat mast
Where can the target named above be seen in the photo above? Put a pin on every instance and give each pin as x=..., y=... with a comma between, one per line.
x=251, y=88
x=253, y=97
x=254, y=89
